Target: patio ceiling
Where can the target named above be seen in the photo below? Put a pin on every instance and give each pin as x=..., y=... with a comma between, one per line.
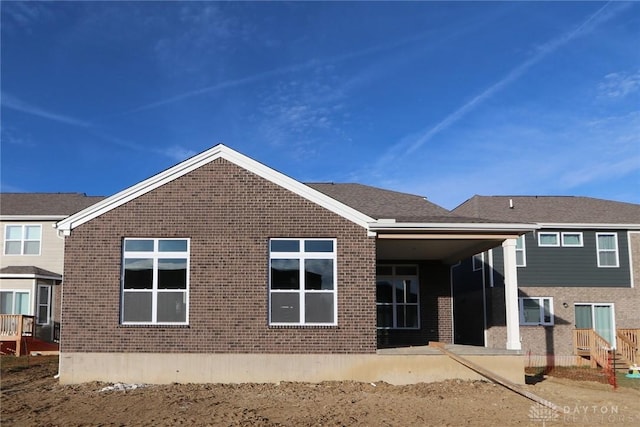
x=447, y=250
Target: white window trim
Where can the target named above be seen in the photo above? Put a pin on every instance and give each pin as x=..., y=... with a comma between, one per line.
x=578, y=233
x=302, y=255
x=155, y=255
x=523, y=250
x=23, y=291
x=22, y=239
x=546, y=233
x=48, y=305
x=616, y=250
x=541, y=321
x=477, y=266
x=394, y=303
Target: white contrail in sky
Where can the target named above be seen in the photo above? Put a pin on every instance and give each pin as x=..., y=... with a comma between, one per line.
x=543, y=51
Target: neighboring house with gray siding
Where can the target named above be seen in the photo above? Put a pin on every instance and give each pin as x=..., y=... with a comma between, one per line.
x=580, y=270
x=221, y=269
x=31, y=266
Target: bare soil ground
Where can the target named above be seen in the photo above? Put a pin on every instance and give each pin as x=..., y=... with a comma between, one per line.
x=30, y=396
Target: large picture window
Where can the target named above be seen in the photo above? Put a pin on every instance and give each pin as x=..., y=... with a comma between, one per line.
x=155, y=281
x=397, y=297
x=22, y=239
x=14, y=302
x=302, y=282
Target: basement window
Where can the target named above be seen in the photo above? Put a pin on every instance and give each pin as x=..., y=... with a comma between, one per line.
x=536, y=311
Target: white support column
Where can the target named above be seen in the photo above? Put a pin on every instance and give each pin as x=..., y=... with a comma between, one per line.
x=511, y=294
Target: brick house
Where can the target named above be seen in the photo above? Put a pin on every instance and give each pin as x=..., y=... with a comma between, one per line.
x=221, y=269
x=578, y=276
x=31, y=266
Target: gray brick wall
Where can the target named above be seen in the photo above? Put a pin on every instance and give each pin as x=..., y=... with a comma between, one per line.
x=229, y=214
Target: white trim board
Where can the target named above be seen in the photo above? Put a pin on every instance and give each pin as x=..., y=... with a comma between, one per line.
x=195, y=162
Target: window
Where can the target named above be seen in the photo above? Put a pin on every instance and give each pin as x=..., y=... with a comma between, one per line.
x=22, y=239
x=607, y=247
x=44, y=305
x=302, y=282
x=477, y=261
x=155, y=281
x=521, y=253
x=548, y=239
x=397, y=297
x=14, y=302
x=536, y=311
x=571, y=239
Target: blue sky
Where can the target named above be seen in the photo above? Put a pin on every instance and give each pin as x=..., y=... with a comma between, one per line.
x=441, y=99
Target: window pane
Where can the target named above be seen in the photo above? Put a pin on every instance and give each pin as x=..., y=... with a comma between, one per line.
x=520, y=242
x=285, y=274
x=519, y=258
x=412, y=290
x=318, y=246
x=607, y=258
x=14, y=232
x=571, y=240
x=406, y=271
x=138, y=245
x=384, y=270
x=172, y=274
x=12, y=248
x=530, y=310
x=385, y=316
x=22, y=303
x=172, y=246
x=43, y=297
x=606, y=241
x=583, y=317
x=285, y=246
x=6, y=302
x=137, y=307
x=318, y=274
x=172, y=307
x=32, y=232
x=285, y=307
x=407, y=316
x=548, y=239
x=546, y=302
x=138, y=273
x=401, y=291
x=32, y=248
x=43, y=314
x=318, y=308
x=384, y=291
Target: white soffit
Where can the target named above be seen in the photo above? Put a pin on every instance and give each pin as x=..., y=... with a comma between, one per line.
x=195, y=162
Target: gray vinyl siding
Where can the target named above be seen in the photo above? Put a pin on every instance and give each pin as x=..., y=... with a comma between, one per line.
x=568, y=266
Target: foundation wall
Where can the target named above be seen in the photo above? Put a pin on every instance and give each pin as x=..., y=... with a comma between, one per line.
x=163, y=368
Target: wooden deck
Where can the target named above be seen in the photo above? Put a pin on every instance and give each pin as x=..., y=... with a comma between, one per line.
x=15, y=328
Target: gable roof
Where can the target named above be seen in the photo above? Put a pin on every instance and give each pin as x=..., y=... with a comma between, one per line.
x=193, y=163
x=552, y=210
x=54, y=205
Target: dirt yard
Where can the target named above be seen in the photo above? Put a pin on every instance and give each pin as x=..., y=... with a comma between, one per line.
x=30, y=396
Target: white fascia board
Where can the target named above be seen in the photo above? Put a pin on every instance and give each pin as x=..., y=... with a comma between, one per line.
x=193, y=163
x=587, y=226
x=28, y=276
x=32, y=217
x=453, y=227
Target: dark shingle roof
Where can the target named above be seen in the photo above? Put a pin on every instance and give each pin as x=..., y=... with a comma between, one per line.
x=551, y=209
x=379, y=203
x=45, y=203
